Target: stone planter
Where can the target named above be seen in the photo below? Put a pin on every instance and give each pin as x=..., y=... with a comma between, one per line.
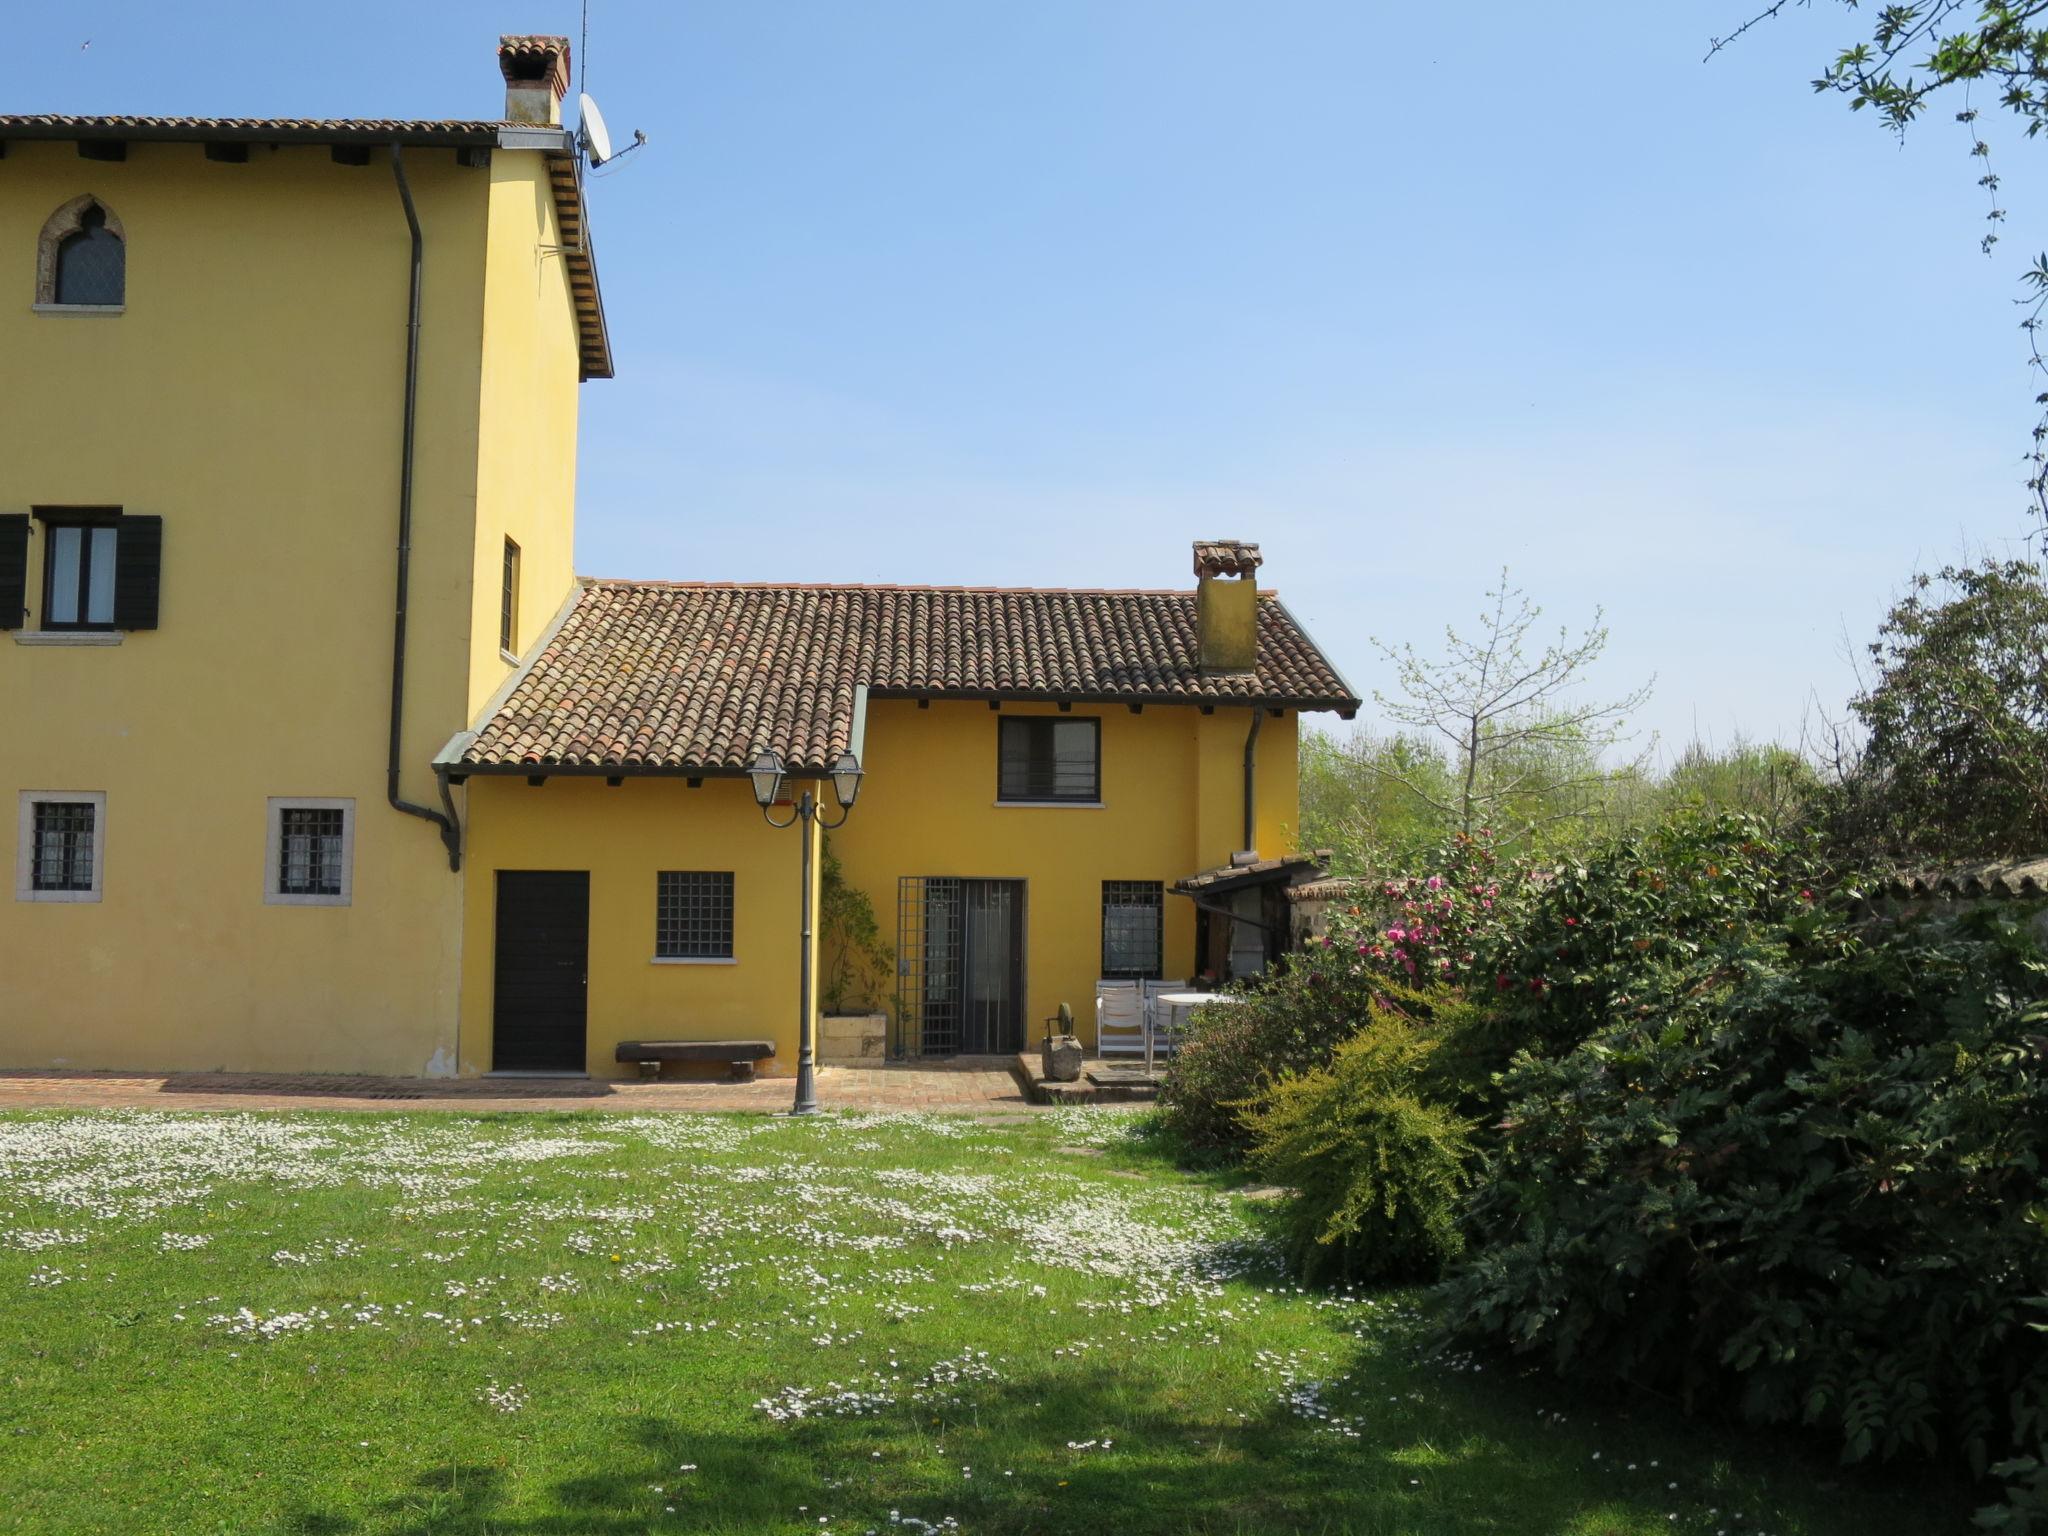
x=1062, y=1059
x=853, y=1037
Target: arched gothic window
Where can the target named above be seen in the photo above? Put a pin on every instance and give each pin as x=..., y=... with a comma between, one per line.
x=83, y=258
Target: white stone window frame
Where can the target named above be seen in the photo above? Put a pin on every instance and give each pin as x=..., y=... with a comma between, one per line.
x=25, y=844
x=273, y=846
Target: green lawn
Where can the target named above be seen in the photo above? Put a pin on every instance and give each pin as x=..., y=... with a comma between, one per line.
x=589, y=1324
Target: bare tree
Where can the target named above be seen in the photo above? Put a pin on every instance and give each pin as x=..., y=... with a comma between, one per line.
x=1518, y=735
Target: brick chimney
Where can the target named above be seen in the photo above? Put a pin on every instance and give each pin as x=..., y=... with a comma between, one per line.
x=1227, y=605
x=536, y=71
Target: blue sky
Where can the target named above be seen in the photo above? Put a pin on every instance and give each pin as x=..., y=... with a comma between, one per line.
x=1036, y=294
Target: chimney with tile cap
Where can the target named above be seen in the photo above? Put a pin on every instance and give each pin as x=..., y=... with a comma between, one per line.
x=536, y=71
x=1227, y=605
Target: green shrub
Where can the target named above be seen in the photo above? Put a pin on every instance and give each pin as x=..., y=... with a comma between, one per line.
x=1292, y=1020
x=1792, y=1169
x=1408, y=942
x=1378, y=1167
x=1644, y=922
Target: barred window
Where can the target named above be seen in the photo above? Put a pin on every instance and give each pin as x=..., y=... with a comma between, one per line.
x=60, y=846
x=1049, y=759
x=310, y=856
x=1131, y=929
x=63, y=845
x=309, y=853
x=693, y=915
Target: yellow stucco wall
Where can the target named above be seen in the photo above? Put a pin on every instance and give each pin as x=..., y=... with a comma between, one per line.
x=250, y=395
x=1172, y=803
x=526, y=442
x=1173, y=799
x=625, y=837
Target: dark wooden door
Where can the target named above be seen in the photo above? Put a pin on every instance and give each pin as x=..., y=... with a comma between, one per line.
x=539, y=1005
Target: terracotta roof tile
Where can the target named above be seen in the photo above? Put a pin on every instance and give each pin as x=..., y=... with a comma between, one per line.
x=680, y=676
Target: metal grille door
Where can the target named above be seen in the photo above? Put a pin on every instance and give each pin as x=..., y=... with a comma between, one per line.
x=928, y=924
x=960, y=966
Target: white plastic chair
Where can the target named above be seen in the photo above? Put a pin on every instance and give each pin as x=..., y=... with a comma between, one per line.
x=1160, y=1022
x=1119, y=1019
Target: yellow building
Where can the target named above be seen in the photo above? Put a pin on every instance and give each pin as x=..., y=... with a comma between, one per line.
x=320, y=757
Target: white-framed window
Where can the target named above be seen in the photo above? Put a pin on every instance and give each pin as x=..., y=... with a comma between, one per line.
x=309, y=853
x=60, y=851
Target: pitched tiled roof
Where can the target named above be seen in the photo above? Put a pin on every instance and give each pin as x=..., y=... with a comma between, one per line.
x=678, y=677
x=555, y=144
x=283, y=130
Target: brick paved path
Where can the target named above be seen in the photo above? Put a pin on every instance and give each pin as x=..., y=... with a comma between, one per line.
x=968, y=1085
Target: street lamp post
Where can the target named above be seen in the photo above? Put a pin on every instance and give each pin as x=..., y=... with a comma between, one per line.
x=767, y=774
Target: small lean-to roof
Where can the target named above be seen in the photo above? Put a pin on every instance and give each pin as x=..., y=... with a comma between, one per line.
x=1292, y=870
x=557, y=147
x=684, y=677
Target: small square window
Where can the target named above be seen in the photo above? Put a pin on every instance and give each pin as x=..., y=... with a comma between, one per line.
x=309, y=853
x=693, y=915
x=1131, y=929
x=61, y=847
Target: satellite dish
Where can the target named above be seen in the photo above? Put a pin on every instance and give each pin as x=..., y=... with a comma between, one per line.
x=597, y=139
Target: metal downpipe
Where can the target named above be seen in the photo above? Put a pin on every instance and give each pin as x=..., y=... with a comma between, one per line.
x=451, y=832
x=1251, y=770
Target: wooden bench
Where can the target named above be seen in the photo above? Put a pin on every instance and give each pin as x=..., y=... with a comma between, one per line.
x=739, y=1055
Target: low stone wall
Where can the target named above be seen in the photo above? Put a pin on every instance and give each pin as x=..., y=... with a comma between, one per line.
x=854, y=1037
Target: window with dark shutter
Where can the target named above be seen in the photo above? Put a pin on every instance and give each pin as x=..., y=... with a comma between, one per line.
x=13, y=569
x=138, y=568
x=1049, y=760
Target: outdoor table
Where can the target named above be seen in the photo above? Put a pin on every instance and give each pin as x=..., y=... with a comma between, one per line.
x=1177, y=1001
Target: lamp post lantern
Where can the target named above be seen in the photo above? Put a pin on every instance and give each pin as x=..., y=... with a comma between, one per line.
x=767, y=774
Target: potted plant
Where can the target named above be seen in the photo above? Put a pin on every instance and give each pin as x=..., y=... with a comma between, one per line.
x=857, y=963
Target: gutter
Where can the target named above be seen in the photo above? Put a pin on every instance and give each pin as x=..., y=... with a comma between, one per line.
x=451, y=831
x=1251, y=778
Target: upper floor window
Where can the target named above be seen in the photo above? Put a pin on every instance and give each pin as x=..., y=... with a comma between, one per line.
x=78, y=569
x=100, y=570
x=82, y=262
x=1040, y=759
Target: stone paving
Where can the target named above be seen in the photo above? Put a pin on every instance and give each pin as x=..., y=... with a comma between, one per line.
x=965, y=1085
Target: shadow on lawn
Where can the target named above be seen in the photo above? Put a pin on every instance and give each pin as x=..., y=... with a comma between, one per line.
x=1168, y=1472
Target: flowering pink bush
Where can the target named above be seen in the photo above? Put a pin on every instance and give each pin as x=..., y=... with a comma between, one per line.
x=1432, y=928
